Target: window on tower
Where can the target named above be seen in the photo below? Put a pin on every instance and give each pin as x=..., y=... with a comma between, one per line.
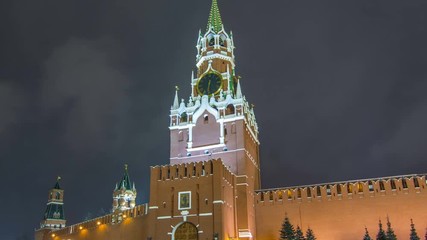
x=229, y=110
x=212, y=41
x=183, y=118
x=339, y=189
x=58, y=196
x=309, y=192
x=180, y=136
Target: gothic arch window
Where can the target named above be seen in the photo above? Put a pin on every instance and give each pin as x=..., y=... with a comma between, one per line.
x=186, y=231
x=211, y=40
x=339, y=189
x=299, y=193
x=180, y=136
x=328, y=190
x=230, y=109
x=233, y=128
x=318, y=191
x=222, y=40
x=183, y=118
x=309, y=192
x=58, y=196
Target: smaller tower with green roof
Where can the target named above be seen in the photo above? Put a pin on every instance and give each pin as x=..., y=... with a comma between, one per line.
x=54, y=215
x=124, y=194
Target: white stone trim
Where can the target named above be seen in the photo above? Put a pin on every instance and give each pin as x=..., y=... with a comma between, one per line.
x=205, y=214
x=164, y=217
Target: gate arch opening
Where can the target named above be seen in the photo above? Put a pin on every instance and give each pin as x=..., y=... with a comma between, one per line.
x=185, y=231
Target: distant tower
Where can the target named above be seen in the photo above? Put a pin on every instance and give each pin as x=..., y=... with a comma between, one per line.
x=124, y=194
x=54, y=215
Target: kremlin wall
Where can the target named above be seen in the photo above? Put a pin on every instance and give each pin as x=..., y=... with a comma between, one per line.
x=211, y=187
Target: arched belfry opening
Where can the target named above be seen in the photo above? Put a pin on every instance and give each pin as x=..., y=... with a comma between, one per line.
x=185, y=231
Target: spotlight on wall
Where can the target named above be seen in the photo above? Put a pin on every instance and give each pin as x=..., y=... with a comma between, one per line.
x=98, y=223
x=188, y=154
x=225, y=149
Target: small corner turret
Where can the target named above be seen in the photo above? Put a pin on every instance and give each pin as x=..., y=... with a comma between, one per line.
x=124, y=194
x=54, y=215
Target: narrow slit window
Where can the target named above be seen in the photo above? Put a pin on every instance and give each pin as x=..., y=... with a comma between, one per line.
x=360, y=187
x=416, y=183
x=349, y=188
x=370, y=186
x=328, y=190
x=309, y=192
x=289, y=194
x=280, y=195
x=393, y=184
x=319, y=192
x=339, y=189
x=404, y=183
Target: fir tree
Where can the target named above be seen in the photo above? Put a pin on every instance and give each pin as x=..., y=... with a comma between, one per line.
x=413, y=235
x=367, y=237
x=287, y=232
x=310, y=235
x=390, y=232
x=299, y=235
x=381, y=233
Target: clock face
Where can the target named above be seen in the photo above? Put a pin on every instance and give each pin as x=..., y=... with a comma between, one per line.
x=209, y=84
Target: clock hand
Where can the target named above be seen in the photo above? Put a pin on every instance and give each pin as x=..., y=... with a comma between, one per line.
x=209, y=85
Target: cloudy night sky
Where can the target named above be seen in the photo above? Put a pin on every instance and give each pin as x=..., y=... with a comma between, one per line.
x=339, y=89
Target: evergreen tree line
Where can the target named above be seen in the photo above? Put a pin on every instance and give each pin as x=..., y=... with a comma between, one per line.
x=388, y=234
x=288, y=232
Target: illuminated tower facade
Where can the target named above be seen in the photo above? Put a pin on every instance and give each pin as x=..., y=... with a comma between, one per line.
x=124, y=193
x=216, y=121
x=54, y=215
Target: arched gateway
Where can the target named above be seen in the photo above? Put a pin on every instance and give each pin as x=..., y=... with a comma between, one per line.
x=186, y=231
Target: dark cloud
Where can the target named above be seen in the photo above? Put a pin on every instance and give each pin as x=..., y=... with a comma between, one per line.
x=82, y=84
x=339, y=89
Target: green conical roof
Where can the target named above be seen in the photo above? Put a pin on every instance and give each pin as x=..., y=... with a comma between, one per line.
x=125, y=182
x=214, y=21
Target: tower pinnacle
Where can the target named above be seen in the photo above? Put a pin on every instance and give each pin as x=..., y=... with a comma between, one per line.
x=214, y=22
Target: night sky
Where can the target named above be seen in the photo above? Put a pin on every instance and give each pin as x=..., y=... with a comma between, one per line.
x=339, y=89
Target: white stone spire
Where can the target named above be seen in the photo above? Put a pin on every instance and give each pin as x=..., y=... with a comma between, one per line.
x=239, y=90
x=176, y=101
